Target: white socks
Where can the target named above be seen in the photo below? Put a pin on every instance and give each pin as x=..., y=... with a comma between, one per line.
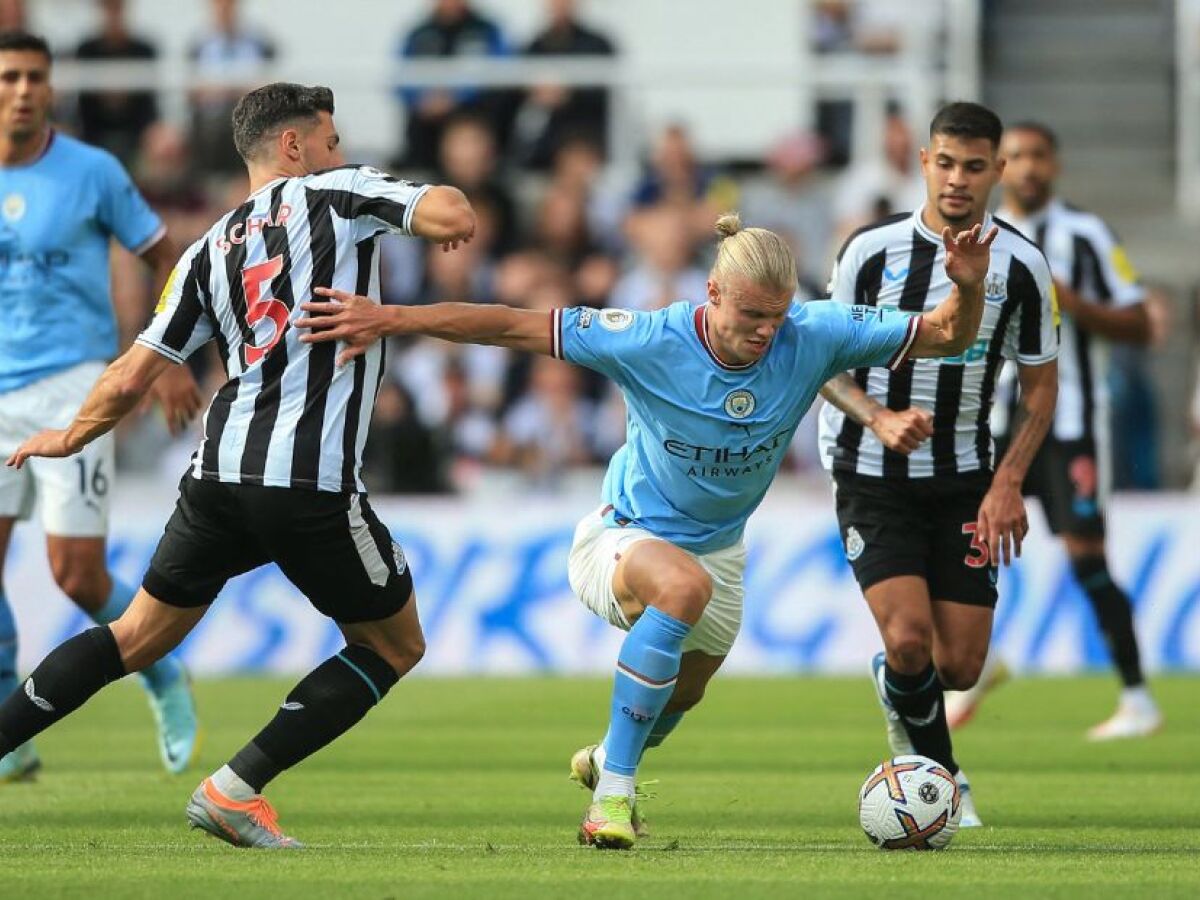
x=612, y=784
x=1138, y=699
x=231, y=785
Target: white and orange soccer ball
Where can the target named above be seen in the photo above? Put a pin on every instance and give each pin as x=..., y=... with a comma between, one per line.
x=909, y=803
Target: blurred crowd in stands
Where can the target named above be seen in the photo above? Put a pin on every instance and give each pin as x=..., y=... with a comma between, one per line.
x=557, y=227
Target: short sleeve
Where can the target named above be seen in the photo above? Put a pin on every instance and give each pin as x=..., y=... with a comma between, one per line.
x=843, y=277
x=1034, y=339
x=123, y=212
x=181, y=323
x=605, y=340
x=384, y=203
x=1116, y=272
x=871, y=336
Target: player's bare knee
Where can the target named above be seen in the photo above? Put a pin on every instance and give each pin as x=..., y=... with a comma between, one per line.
x=139, y=647
x=401, y=652
x=83, y=587
x=684, y=594
x=960, y=674
x=909, y=648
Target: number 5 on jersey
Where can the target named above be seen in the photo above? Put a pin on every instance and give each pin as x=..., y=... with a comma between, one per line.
x=256, y=283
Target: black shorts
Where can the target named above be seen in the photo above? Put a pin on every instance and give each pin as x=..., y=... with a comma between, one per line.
x=1065, y=478
x=920, y=526
x=331, y=546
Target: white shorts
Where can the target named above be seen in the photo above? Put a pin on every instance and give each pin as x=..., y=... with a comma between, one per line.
x=593, y=561
x=74, y=492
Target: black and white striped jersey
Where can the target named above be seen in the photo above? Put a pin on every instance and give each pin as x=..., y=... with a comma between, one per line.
x=1084, y=255
x=899, y=263
x=287, y=416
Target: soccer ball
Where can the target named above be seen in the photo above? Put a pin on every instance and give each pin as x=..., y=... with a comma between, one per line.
x=909, y=803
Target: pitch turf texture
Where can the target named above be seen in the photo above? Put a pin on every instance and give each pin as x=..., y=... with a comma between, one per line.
x=458, y=788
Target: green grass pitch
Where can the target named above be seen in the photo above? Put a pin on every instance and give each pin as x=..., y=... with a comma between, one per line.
x=458, y=788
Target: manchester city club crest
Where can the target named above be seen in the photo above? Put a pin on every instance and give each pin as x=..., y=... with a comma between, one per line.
x=739, y=404
x=855, y=545
x=14, y=207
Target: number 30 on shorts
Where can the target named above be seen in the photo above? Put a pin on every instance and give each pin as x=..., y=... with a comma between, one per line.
x=977, y=556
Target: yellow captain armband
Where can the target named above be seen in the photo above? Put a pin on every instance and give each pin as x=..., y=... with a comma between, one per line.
x=1122, y=266
x=166, y=292
x=1056, y=314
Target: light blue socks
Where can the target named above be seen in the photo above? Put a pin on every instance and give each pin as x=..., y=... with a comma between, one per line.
x=647, y=667
x=8, y=649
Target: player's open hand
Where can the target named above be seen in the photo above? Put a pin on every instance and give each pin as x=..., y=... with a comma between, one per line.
x=1002, y=523
x=968, y=255
x=50, y=443
x=903, y=430
x=179, y=395
x=346, y=317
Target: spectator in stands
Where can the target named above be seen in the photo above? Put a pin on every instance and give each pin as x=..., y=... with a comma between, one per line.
x=226, y=48
x=793, y=201
x=553, y=113
x=579, y=166
x=12, y=16
x=850, y=26
x=468, y=159
x=451, y=29
x=664, y=270
x=872, y=189
x=164, y=173
x=676, y=178
x=550, y=428
x=561, y=226
x=456, y=394
x=116, y=120
x=402, y=455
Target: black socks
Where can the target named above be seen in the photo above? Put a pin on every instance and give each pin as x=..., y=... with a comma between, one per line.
x=1114, y=612
x=918, y=700
x=63, y=682
x=330, y=699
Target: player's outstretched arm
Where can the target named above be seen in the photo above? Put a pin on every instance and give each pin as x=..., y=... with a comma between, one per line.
x=120, y=389
x=444, y=216
x=359, y=321
x=951, y=327
x=1002, y=522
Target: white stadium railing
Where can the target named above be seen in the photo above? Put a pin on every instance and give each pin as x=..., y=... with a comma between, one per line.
x=938, y=58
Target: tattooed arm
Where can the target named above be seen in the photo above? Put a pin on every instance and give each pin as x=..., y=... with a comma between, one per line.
x=900, y=430
x=1002, y=521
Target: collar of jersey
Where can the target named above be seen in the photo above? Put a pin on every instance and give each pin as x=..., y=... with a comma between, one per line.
x=699, y=318
x=267, y=186
x=53, y=133
x=931, y=236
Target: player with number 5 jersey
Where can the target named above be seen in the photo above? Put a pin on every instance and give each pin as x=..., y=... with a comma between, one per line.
x=276, y=477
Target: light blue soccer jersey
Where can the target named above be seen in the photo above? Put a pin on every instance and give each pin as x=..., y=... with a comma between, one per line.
x=57, y=215
x=704, y=439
